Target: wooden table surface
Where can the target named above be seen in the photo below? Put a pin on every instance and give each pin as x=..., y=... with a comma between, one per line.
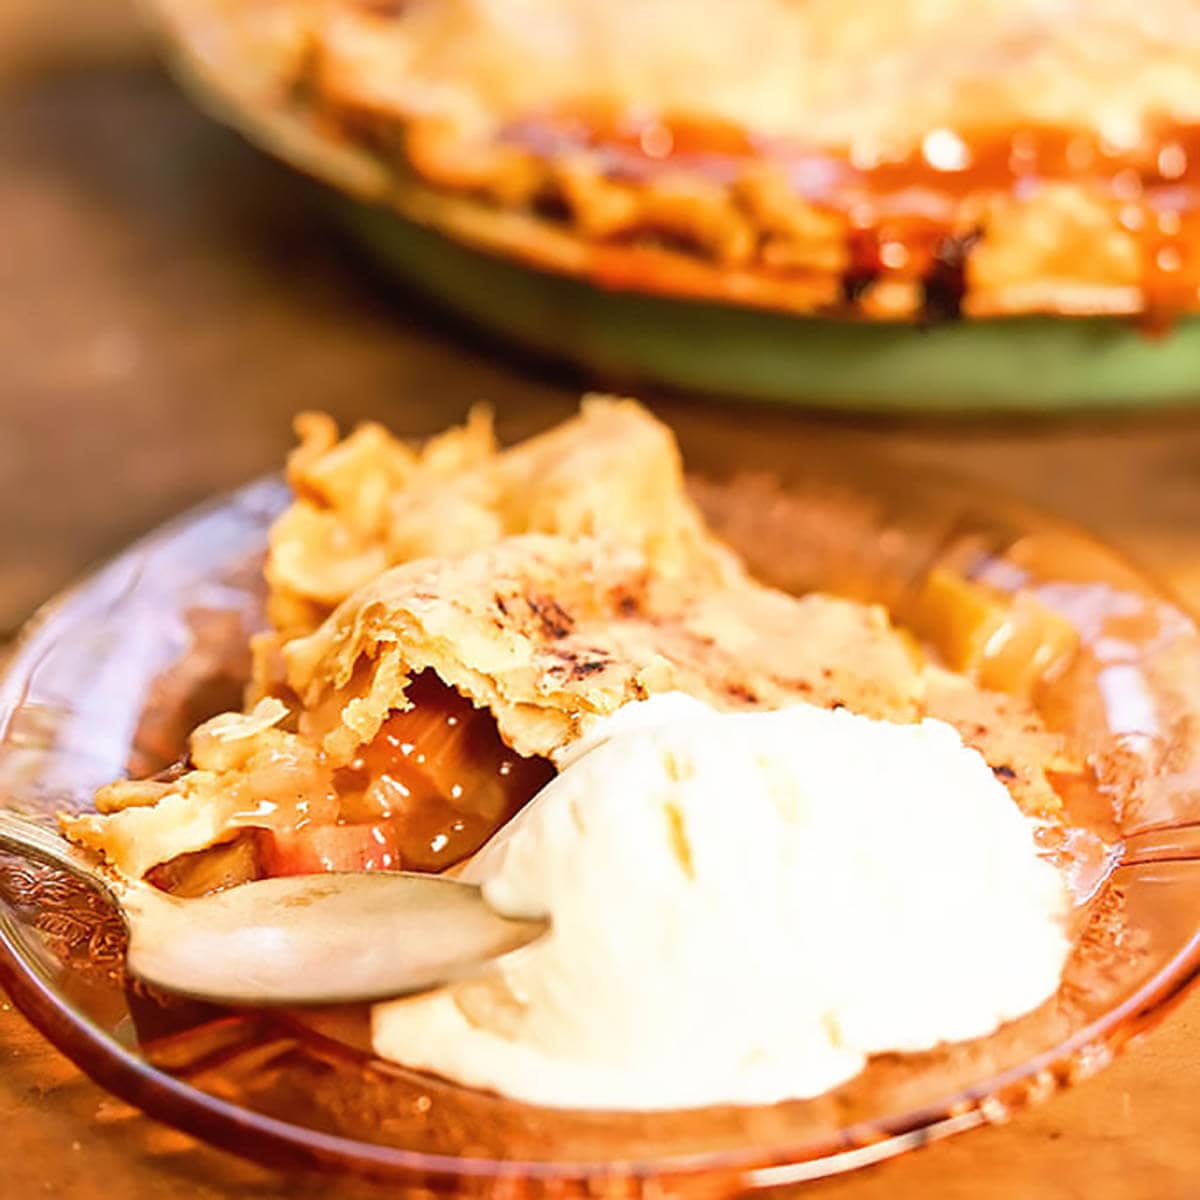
x=168, y=299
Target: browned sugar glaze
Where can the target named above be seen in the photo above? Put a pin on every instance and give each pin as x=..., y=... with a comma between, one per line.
x=433, y=785
x=907, y=210
x=442, y=775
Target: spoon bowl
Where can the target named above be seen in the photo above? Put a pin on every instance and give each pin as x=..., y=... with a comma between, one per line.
x=336, y=938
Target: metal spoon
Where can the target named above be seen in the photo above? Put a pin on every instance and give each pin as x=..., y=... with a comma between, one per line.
x=336, y=938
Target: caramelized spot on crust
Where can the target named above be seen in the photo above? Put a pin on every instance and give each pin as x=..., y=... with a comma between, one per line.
x=627, y=604
x=555, y=620
x=945, y=285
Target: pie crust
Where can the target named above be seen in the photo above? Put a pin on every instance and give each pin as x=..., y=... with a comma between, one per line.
x=548, y=585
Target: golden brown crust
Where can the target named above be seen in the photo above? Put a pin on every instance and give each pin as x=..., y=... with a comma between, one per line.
x=1021, y=751
x=547, y=632
x=558, y=581
x=895, y=161
x=372, y=501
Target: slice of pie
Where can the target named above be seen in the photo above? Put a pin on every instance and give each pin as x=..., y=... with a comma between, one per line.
x=534, y=591
x=888, y=159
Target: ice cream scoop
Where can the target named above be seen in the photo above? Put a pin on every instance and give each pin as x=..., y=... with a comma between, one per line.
x=746, y=906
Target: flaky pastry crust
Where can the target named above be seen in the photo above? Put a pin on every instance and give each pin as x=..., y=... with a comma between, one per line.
x=372, y=501
x=563, y=604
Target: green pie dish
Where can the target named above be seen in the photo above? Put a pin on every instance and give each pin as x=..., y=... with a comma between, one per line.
x=1016, y=364
x=444, y=246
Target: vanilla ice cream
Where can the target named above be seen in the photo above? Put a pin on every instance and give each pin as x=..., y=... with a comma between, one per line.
x=745, y=906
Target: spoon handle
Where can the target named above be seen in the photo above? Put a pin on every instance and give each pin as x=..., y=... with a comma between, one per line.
x=21, y=835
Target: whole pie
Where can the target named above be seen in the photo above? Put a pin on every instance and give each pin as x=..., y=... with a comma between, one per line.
x=889, y=159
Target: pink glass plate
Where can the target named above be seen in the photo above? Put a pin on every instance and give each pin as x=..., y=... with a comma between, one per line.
x=109, y=677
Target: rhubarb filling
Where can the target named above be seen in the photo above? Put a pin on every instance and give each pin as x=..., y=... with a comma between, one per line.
x=425, y=793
